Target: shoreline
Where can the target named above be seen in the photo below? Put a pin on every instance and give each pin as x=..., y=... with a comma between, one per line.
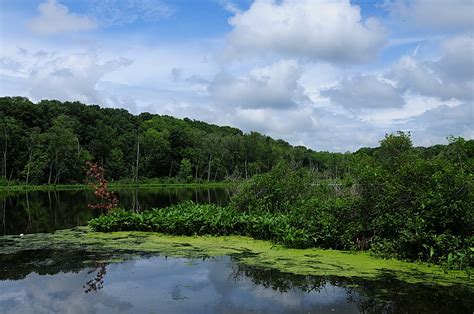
x=252, y=252
x=65, y=187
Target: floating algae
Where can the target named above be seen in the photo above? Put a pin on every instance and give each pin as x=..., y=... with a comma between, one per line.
x=117, y=246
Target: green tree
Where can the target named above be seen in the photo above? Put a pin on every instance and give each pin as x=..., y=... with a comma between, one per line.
x=185, y=170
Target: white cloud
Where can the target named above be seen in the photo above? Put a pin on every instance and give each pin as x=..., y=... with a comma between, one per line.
x=290, y=77
x=315, y=30
x=9, y=64
x=277, y=122
x=55, y=18
x=274, y=86
x=450, y=77
x=71, y=77
x=229, y=6
x=433, y=126
x=457, y=61
x=438, y=14
x=364, y=92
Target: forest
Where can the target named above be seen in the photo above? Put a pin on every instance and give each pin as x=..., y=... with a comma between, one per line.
x=50, y=142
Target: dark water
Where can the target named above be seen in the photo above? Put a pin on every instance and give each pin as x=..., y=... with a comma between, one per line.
x=39, y=211
x=62, y=280
x=50, y=281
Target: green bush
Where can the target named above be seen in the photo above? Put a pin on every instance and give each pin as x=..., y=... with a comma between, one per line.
x=398, y=202
x=198, y=219
x=275, y=191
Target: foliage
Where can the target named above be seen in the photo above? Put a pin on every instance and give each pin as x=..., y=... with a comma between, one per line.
x=200, y=219
x=275, y=191
x=185, y=170
x=417, y=206
x=421, y=208
x=108, y=199
x=395, y=199
x=49, y=142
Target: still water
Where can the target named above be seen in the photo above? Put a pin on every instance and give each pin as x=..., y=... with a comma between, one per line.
x=52, y=281
x=47, y=211
x=58, y=280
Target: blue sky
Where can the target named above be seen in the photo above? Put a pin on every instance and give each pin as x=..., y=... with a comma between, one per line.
x=332, y=75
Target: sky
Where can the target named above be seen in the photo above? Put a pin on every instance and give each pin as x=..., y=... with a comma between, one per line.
x=331, y=75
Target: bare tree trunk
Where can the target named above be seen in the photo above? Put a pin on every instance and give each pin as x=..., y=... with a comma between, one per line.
x=28, y=171
x=217, y=168
x=209, y=169
x=246, y=175
x=138, y=160
x=30, y=157
x=56, y=178
x=50, y=173
x=5, y=154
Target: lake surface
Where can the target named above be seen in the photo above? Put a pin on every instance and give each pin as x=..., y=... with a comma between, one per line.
x=54, y=280
x=47, y=211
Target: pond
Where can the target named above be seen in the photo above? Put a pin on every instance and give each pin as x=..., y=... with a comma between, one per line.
x=55, y=278
x=61, y=281
x=47, y=211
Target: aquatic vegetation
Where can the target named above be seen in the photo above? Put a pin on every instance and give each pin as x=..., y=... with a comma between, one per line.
x=206, y=219
x=114, y=246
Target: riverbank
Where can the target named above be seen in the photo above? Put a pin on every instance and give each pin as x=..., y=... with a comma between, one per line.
x=251, y=252
x=113, y=185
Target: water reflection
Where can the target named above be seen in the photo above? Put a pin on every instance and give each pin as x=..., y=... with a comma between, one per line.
x=48, y=282
x=47, y=211
x=97, y=282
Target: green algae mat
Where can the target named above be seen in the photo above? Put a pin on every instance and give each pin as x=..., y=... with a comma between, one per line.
x=313, y=262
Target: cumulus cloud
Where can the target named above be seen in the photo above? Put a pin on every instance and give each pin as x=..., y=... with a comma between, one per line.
x=433, y=126
x=271, y=121
x=72, y=77
x=452, y=76
x=55, y=18
x=364, y=92
x=274, y=86
x=457, y=61
x=438, y=14
x=315, y=30
x=284, y=52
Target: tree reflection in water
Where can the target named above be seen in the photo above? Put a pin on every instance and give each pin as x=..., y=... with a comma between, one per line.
x=385, y=294
x=97, y=282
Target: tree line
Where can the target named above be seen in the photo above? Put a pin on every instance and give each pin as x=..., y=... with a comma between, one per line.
x=51, y=141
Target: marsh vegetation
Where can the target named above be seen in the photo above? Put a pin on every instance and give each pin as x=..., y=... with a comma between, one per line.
x=391, y=217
